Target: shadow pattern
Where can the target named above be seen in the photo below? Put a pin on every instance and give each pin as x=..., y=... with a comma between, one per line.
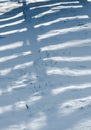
x=45, y=65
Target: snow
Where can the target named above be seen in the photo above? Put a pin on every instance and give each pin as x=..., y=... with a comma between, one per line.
x=45, y=65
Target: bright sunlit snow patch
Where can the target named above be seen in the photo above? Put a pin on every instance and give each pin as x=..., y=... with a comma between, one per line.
x=5, y=72
x=60, y=32
x=67, y=7
x=56, y=9
x=13, y=31
x=11, y=57
x=89, y=0
x=61, y=19
x=37, y=1
x=8, y=6
x=19, y=66
x=20, y=104
x=73, y=43
x=55, y=4
x=61, y=89
x=45, y=13
x=83, y=124
x=11, y=46
x=21, y=82
x=11, y=24
x=68, y=59
x=11, y=18
x=68, y=72
x=73, y=105
x=37, y=123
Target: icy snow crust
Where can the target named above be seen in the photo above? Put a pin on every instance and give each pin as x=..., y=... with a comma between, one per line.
x=45, y=65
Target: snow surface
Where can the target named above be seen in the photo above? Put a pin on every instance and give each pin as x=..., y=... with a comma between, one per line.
x=45, y=65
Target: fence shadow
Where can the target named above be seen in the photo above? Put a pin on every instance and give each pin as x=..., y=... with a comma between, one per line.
x=45, y=65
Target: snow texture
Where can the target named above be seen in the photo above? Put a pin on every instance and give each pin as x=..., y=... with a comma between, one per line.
x=45, y=65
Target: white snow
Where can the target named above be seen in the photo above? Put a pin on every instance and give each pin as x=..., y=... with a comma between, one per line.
x=45, y=65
